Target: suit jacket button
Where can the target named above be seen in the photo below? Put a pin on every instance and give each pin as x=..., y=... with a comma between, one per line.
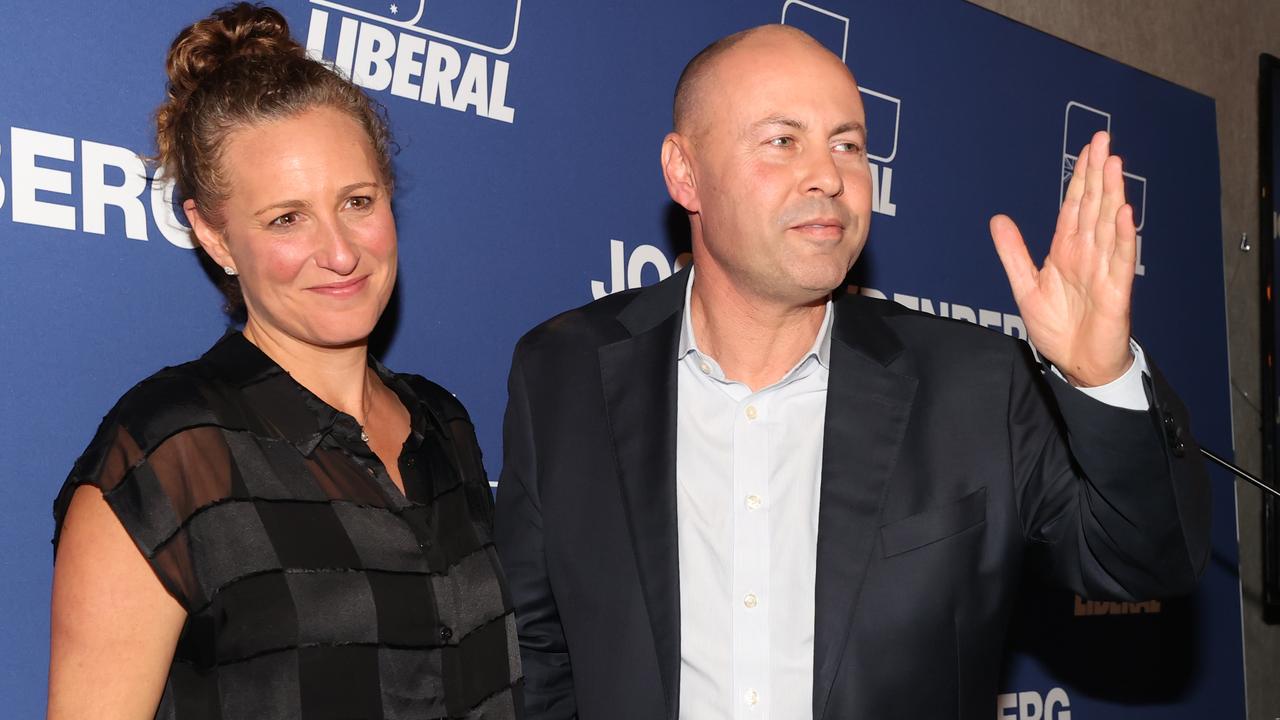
x=445, y=634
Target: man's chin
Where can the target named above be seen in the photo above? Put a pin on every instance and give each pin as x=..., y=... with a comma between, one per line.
x=808, y=293
x=819, y=284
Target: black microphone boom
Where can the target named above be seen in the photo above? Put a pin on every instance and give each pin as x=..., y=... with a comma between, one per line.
x=1240, y=473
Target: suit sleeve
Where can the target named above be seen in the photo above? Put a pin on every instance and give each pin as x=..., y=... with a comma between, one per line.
x=1114, y=502
x=518, y=532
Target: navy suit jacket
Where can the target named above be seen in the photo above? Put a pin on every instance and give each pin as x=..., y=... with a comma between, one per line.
x=951, y=464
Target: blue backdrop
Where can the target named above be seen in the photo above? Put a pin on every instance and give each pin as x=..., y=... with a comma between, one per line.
x=529, y=183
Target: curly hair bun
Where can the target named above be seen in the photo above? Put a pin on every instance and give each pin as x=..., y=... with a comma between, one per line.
x=233, y=32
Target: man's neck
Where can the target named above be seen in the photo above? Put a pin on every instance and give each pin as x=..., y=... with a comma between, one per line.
x=754, y=340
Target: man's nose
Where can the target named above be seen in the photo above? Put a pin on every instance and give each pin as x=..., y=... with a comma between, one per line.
x=821, y=174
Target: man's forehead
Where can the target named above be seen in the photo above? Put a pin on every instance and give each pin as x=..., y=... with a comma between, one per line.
x=772, y=68
x=823, y=101
x=782, y=65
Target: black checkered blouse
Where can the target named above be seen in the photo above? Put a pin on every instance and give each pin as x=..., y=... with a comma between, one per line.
x=314, y=588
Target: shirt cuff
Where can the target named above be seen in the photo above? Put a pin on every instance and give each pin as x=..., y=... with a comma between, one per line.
x=1126, y=391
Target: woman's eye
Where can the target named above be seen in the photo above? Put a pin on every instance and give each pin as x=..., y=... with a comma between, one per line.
x=360, y=202
x=285, y=220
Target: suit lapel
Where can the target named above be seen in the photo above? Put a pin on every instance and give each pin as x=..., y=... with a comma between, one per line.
x=868, y=407
x=639, y=380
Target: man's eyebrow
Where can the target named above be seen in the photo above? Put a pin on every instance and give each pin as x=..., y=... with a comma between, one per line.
x=851, y=126
x=801, y=126
x=780, y=120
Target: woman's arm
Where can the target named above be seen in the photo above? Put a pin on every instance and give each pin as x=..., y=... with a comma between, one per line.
x=114, y=626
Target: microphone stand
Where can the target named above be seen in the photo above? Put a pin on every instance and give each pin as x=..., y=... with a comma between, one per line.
x=1240, y=473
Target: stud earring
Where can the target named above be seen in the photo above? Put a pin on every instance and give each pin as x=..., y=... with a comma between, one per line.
x=229, y=270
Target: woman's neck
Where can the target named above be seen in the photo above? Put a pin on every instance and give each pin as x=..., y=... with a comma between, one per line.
x=339, y=376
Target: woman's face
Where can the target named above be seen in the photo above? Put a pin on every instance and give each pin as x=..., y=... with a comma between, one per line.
x=308, y=228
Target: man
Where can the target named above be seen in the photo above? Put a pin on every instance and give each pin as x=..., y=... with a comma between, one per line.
x=730, y=495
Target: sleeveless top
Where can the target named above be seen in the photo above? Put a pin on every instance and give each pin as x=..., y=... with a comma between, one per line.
x=313, y=587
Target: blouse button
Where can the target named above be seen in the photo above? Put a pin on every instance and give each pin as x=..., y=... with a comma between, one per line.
x=409, y=461
x=445, y=634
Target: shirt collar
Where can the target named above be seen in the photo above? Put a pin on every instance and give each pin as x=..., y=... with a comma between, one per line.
x=273, y=403
x=821, y=348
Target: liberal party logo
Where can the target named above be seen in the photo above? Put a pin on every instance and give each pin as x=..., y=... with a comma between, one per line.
x=1079, y=124
x=439, y=52
x=883, y=111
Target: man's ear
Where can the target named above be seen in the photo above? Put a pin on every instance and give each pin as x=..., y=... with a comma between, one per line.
x=211, y=240
x=677, y=171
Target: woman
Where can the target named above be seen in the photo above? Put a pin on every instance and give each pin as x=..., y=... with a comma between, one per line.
x=283, y=527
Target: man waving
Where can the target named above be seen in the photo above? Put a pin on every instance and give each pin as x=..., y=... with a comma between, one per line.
x=740, y=494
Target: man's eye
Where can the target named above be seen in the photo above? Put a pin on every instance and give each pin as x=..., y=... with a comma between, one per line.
x=847, y=147
x=782, y=142
x=285, y=220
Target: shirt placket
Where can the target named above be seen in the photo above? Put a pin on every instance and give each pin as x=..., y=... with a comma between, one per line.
x=751, y=558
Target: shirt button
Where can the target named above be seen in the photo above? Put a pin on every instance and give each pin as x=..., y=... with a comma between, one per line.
x=752, y=414
x=751, y=697
x=750, y=601
x=706, y=369
x=754, y=502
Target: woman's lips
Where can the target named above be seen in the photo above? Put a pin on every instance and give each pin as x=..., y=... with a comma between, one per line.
x=345, y=288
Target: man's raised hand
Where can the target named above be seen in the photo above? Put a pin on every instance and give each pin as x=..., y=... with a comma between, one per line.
x=1076, y=307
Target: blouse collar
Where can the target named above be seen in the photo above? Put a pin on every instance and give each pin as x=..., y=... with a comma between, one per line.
x=279, y=405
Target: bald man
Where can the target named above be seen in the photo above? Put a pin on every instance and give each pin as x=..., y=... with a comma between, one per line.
x=737, y=495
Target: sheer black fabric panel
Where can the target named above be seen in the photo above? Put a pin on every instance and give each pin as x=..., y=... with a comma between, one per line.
x=314, y=587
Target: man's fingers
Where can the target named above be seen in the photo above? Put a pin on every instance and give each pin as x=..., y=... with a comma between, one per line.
x=1091, y=201
x=1112, y=201
x=1069, y=214
x=1013, y=254
x=1124, y=259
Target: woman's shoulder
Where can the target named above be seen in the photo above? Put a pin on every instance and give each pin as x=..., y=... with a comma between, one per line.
x=165, y=403
x=159, y=408
x=152, y=413
x=443, y=403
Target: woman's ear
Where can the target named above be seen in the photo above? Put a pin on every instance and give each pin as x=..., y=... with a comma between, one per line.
x=211, y=240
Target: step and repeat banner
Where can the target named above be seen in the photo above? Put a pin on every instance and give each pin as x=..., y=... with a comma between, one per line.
x=528, y=138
